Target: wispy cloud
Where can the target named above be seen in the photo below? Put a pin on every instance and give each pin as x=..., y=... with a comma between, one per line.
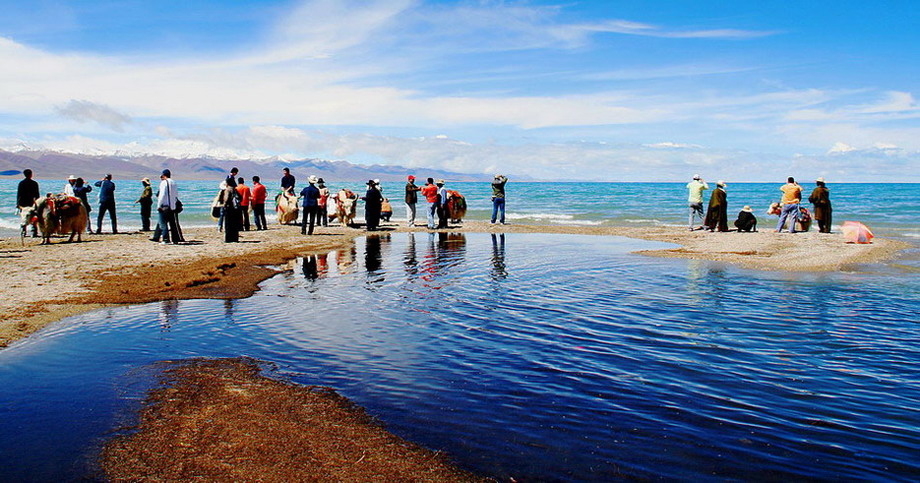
x=626, y=27
x=86, y=111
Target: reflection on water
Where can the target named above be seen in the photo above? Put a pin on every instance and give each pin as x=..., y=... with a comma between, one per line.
x=538, y=357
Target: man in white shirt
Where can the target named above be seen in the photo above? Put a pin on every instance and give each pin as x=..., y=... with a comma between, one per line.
x=167, y=197
x=696, y=188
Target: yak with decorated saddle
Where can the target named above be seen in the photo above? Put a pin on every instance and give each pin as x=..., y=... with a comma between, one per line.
x=456, y=206
x=58, y=214
x=286, y=207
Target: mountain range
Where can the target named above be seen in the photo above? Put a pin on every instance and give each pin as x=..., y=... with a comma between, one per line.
x=59, y=165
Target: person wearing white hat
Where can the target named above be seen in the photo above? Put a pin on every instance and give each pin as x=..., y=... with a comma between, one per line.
x=146, y=202
x=310, y=195
x=821, y=199
x=68, y=186
x=443, y=213
x=717, y=214
x=696, y=188
x=746, y=220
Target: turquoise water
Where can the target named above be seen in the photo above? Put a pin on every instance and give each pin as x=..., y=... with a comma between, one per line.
x=538, y=357
x=891, y=210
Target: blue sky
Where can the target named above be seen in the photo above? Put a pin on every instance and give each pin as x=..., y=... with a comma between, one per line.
x=612, y=90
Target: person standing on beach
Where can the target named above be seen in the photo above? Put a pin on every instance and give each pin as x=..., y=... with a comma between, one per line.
x=373, y=201
x=231, y=178
x=68, y=186
x=717, y=214
x=146, y=202
x=310, y=195
x=821, y=199
x=26, y=194
x=233, y=212
x=696, y=188
x=167, y=196
x=245, y=197
x=259, y=194
x=411, y=200
x=81, y=191
x=430, y=192
x=498, y=197
x=792, y=196
x=106, y=202
x=442, y=204
x=323, y=215
x=288, y=181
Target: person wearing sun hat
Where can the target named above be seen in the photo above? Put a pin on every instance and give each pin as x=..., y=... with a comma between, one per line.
x=373, y=202
x=68, y=186
x=146, y=202
x=310, y=195
x=821, y=199
x=696, y=188
x=746, y=221
x=717, y=214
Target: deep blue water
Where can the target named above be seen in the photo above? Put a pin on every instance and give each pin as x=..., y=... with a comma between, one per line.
x=538, y=357
x=891, y=210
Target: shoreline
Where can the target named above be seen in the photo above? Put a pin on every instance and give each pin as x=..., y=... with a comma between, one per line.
x=48, y=283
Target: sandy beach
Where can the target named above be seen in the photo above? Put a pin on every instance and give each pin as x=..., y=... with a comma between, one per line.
x=48, y=283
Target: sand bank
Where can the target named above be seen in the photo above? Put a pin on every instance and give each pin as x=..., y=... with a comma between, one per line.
x=47, y=283
x=220, y=420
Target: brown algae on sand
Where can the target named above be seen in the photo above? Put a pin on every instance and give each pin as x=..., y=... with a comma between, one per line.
x=221, y=420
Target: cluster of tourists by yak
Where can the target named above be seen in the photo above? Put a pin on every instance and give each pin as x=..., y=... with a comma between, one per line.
x=237, y=206
x=792, y=215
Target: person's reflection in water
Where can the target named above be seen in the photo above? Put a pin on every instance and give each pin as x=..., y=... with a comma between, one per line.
x=309, y=268
x=451, y=249
x=169, y=314
x=345, y=259
x=228, y=310
x=322, y=264
x=410, y=260
x=373, y=260
x=498, y=257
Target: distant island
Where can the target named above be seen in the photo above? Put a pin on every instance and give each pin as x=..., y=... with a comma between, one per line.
x=60, y=165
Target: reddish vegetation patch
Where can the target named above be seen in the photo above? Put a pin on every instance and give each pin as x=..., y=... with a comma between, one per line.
x=220, y=420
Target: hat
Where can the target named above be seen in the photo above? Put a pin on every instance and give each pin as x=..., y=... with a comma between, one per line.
x=411, y=177
x=71, y=178
x=498, y=176
x=721, y=183
x=321, y=180
x=166, y=173
x=370, y=182
x=696, y=176
x=312, y=178
x=146, y=180
x=747, y=208
x=440, y=181
x=377, y=181
x=820, y=180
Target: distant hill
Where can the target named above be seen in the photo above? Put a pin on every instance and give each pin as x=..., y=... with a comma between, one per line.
x=58, y=165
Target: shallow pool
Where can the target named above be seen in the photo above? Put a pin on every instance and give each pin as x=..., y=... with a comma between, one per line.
x=525, y=355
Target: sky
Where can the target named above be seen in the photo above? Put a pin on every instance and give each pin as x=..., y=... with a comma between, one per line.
x=576, y=90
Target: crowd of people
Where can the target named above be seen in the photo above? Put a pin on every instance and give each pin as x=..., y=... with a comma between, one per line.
x=790, y=210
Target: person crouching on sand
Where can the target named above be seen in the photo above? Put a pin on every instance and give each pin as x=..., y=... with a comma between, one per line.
x=717, y=214
x=746, y=220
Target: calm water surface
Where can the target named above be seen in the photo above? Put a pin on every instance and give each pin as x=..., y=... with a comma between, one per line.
x=550, y=357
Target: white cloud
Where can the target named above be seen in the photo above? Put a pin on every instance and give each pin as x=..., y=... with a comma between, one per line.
x=839, y=147
x=85, y=111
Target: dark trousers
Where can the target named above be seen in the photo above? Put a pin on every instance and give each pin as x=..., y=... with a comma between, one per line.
x=442, y=215
x=167, y=226
x=323, y=216
x=258, y=215
x=372, y=217
x=246, y=218
x=110, y=207
x=309, y=216
x=824, y=226
x=145, y=216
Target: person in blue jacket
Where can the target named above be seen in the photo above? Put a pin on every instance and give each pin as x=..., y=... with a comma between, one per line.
x=106, y=202
x=310, y=196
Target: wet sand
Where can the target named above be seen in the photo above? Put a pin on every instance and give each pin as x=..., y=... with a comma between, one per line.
x=220, y=420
